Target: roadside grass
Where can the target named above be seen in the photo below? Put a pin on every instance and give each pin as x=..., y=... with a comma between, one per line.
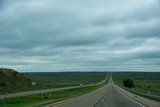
x=46, y=80
x=144, y=81
x=52, y=97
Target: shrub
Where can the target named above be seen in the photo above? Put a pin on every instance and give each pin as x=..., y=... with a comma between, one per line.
x=128, y=83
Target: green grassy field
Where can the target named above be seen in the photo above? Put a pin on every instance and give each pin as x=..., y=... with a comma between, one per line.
x=57, y=80
x=67, y=78
x=37, y=100
x=144, y=81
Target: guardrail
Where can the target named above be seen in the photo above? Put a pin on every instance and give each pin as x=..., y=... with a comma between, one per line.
x=150, y=96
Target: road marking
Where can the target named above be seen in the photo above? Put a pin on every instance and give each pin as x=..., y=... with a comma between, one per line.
x=130, y=98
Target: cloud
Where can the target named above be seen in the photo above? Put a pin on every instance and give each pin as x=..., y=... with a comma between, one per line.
x=60, y=35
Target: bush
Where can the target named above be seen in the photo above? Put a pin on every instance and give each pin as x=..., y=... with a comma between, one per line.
x=128, y=83
x=2, y=84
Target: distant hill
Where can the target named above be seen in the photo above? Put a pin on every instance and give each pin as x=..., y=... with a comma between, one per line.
x=10, y=78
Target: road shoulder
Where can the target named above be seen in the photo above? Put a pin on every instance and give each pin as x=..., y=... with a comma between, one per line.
x=142, y=100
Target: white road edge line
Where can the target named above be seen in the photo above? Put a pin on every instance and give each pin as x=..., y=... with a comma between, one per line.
x=130, y=98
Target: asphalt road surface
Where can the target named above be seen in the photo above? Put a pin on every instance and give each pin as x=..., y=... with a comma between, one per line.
x=107, y=96
x=114, y=98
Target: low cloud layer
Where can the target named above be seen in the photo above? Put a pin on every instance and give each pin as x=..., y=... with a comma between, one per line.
x=85, y=35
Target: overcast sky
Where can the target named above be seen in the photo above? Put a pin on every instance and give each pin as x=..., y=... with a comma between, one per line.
x=80, y=35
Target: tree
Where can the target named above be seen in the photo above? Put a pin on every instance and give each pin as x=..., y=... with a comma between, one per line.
x=128, y=83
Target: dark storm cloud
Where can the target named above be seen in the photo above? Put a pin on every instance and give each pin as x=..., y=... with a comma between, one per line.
x=80, y=35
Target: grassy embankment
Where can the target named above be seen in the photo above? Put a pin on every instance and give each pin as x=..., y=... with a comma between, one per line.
x=143, y=81
x=37, y=100
x=12, y=80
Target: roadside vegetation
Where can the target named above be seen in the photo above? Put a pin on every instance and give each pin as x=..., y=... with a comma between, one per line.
x=143, y=81
x=12, y=80
x=128, y=83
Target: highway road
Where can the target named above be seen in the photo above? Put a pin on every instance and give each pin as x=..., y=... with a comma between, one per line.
x=108, y=96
